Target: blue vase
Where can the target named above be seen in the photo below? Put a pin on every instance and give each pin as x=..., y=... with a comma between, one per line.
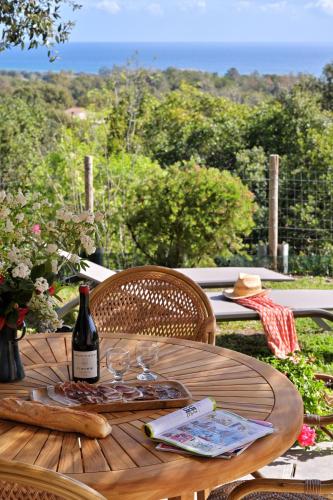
x=11, y=367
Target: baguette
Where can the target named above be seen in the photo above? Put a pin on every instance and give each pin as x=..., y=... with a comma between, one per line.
x=55, y=417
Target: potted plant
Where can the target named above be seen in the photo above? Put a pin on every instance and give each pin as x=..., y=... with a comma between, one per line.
x=32, y=234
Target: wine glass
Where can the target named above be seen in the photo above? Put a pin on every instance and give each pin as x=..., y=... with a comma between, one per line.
x=118, y=362
x=146, y=356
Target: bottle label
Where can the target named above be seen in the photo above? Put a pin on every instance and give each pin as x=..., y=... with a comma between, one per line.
x=85, y=364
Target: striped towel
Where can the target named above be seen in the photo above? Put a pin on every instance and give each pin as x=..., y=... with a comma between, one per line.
x=278, y=322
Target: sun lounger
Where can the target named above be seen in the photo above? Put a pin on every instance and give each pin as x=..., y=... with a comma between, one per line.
x=315, y=304
x=215, y=277
x=206, y=277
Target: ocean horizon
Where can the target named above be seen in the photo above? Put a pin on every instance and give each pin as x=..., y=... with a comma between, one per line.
x=91, y=57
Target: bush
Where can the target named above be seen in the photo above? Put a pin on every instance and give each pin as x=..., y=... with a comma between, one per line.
x=300, y=371
x=180, y=216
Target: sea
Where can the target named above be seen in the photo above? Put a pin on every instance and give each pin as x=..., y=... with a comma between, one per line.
x=92, y=57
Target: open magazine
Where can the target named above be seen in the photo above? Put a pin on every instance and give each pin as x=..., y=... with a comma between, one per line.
x=202, y=429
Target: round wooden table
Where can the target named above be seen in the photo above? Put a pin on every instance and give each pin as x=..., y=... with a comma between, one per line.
x=125, y=464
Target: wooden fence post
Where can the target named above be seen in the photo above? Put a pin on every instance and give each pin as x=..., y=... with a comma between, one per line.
x=89, y=183
x=273, y=222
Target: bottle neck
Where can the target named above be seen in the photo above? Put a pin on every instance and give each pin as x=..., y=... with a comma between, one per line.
x=84, y=302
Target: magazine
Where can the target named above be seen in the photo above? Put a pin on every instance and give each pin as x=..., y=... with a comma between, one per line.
x=202, y=429
x=226, y=456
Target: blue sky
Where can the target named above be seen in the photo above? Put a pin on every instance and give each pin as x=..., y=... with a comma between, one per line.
x=204, y=20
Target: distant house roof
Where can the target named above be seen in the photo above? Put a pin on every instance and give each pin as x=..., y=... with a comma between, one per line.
x=76, y=112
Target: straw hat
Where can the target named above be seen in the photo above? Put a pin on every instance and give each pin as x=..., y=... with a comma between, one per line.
x=247, y=285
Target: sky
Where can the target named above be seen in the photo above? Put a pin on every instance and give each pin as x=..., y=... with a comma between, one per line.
x=204, y=21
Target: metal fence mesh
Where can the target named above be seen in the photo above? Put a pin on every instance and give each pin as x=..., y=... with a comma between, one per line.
x=305, y=219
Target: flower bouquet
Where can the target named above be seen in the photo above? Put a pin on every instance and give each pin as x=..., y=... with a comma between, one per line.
x=32, y=235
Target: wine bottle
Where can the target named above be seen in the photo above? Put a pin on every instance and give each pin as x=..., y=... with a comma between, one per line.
x=85, y=343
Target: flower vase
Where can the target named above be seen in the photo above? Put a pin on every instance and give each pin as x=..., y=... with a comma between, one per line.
x=11, y=368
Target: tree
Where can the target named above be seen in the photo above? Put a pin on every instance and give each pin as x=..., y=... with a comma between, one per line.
x=186, y=215
x=327, y=86
x=296, y=128
x=26, y=135
x=189, y=123
x=34, y=23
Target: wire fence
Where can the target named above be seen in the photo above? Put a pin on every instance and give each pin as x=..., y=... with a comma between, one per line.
x=305, y=220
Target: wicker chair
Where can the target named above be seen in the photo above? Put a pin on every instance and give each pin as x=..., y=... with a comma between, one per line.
x=20, y=481
x=153, y=300
x=274, y=489
x=320, y=422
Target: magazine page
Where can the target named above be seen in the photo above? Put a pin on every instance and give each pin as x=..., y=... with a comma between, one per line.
x=214, y=433
x=155, y=428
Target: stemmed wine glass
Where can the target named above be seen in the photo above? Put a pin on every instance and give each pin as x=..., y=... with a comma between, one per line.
x=146, y=356
x=118, y=362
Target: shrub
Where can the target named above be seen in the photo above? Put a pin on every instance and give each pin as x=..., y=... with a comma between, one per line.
x=180, y=216
x=300, y=371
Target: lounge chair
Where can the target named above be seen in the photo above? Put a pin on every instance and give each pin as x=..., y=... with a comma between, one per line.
x=206, y=277
x=315, y=304
x=304, y=303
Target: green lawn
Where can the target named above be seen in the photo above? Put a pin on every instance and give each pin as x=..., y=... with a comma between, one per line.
x=246, y=337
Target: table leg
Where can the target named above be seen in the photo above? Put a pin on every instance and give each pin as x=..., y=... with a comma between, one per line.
x=203, y=494
x=200, y=495
x=184, y=496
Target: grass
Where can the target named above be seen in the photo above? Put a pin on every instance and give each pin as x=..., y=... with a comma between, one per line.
x=247, y=337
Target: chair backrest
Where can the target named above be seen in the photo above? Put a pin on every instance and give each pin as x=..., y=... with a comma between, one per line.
x=153, y=300
x=310, y=489
x=20, y=481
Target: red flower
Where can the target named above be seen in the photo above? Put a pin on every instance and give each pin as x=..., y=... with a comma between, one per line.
x=2, y=279
x=21, y=315
x=2, y=322
x=52, y=290
x=307, y=436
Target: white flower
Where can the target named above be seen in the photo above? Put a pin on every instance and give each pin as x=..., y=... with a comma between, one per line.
x=36, y=206
x=64, y=215
x=74, y=259
x=51, y=248
x=54, y=266
x=10, y=198
x=86, y=216
x=21, y=199
x=21, y=271
x=4, y=212
x=88, y=244
x=14, y=255
x=99, y=216
x=50, y=226
x=43, y=306
x=41, y=285
x=83, y=216
x=9, y=228
x=2, y=196
x=90, y=218
x=76, y=219
x=19, y=217
x=27, y=262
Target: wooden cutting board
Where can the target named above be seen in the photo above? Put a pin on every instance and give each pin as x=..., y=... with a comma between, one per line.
x=42, y=395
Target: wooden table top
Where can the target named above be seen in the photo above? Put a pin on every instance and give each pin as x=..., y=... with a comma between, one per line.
x=125, y=464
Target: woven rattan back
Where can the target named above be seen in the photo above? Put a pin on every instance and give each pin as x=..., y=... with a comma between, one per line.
x=153, y=300
x=20, y=481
